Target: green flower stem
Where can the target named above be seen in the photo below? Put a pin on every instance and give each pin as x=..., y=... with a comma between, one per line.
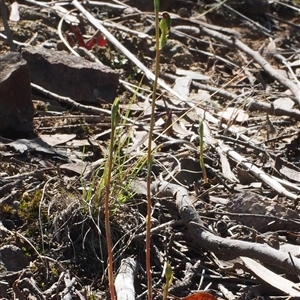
x=115, y=117
x=150, y=157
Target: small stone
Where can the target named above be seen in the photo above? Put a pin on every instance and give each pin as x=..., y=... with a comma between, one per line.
x=178, y=52
x=12, y=258
x=183, y=12
x=9, y=224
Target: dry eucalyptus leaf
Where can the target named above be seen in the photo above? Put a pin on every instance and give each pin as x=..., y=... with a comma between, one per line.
x=180, y=129
x=244, y=176
x=283, y=103
x=226, y=169
x=271, y=278
x=182, y=86
x=232, y=113
x=57, y=139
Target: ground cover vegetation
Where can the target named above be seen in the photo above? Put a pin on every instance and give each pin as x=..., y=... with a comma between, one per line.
x=187, y=180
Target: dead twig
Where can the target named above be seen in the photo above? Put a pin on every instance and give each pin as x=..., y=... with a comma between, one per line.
x=123, y=49
x=124, y=282
x=6, y=26
x=217, y=244
x=81, y=107
x=234, y=42
x=254, y=105
x=35, y=174
x=258, y=173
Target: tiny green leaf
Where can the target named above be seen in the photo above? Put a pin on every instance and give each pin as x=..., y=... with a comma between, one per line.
x=115, y=114
x=201, y=152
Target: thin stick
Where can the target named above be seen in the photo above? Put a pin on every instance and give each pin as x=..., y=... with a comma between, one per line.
x=233, y=42
x=6, y=26
x=149, y=157
x=124, y=50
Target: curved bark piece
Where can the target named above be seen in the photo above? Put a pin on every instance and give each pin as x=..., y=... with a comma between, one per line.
x=209, y=241
x=124, y=282
x=234, y=42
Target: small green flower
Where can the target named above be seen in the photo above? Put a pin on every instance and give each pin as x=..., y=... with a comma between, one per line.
x=164, y=25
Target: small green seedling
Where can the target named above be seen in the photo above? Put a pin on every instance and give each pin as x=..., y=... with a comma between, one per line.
x=201, y=150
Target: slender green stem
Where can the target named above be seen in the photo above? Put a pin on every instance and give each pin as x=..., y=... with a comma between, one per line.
x=149, y=156
x=201, y=150
x=107, y=178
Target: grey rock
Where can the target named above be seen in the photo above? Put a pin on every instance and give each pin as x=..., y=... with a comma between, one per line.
x=9, y=224
x=16, y=108
x=71, y=76
x=178, y=52
x=12, y=258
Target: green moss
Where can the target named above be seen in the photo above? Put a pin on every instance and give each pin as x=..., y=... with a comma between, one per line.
x=93, y=297
x=29, y=207
x=28, y=212
x=55, y=271
x=7, y=210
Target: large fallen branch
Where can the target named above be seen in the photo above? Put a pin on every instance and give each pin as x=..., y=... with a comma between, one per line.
x=217, y=244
